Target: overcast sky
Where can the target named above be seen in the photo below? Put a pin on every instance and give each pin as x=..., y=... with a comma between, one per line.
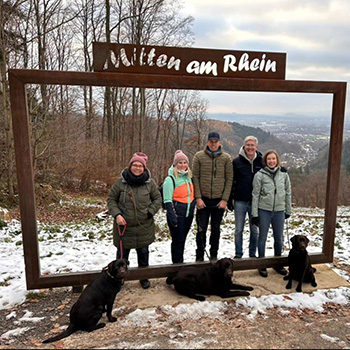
x=315, y=35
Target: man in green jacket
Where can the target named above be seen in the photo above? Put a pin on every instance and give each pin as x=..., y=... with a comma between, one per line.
x=212, y=178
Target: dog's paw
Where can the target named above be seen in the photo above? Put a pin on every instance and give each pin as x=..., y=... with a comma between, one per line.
x=289, y=285
x=200, y=297
x=285, y=278
x=112, y=319
x=314, y=284
x=299, y=289
x=250, y=288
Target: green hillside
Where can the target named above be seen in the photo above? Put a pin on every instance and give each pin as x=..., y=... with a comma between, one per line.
x=321, y=162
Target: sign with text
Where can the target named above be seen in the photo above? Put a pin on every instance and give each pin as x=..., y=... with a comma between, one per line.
x=127, y=58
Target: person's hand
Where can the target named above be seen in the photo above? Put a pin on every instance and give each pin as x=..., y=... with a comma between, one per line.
x=170, y=213
x=120, y=220
x=286, y=216
x=200, y=204
x=255, y=220
x=222, y=204
x=173, y=220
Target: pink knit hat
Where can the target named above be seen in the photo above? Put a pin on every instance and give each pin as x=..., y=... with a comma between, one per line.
x=179, y=155
x=139, y=157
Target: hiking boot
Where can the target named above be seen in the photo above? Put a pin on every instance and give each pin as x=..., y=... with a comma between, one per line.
x=145, y=284
x=281, y=270
x=263, y=272
x=213, y=257
x=199, y=258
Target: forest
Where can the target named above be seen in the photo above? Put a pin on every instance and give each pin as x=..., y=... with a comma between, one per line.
x=82, y=137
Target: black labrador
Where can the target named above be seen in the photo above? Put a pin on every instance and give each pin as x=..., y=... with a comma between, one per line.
x=300, y=268
x=97, y=298
x=212, y=280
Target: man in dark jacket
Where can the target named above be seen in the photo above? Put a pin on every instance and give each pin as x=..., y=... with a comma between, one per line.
x=245, y=166
x=212, y=178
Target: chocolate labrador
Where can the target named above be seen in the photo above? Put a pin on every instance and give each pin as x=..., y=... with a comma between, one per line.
x=212, y=280
x=97, y=298
x=300, y=268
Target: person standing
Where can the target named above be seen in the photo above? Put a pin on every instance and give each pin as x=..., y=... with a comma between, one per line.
x=179, y=203
x=245, y=166
x=212, y=178
x=271, y=205
x=133, y=201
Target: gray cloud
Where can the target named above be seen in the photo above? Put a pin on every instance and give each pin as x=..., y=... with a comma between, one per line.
x=313, y=33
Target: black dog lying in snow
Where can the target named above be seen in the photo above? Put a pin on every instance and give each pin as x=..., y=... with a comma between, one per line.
x=212, y=280
x=300, y=268
x=97, y=298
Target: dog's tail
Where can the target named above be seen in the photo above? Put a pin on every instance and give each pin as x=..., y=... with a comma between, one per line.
x=70, y=330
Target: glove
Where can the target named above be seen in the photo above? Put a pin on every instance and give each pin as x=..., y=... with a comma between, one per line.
x=286, y=216
x=283, y=169
x=149, y=215
x=170, y=213
x=255, y=220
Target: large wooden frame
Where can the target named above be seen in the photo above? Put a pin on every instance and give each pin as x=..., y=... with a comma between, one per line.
x=18, y=80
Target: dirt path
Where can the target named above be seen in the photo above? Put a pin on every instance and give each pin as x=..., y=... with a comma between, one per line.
x=291, y=328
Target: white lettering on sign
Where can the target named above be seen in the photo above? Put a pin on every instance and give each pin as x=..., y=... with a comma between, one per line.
x=226, y=64
x=202, y=67
x=245, y=64
x=143, y=59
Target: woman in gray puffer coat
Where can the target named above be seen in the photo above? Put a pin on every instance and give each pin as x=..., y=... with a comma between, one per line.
x=271, y=205
x=133, y=201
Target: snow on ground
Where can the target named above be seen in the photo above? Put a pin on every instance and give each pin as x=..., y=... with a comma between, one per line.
x=89, y=246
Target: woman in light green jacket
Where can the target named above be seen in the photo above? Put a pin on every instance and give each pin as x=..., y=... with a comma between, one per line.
x=271, y=205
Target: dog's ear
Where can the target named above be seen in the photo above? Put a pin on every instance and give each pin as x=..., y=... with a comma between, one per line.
x=110, y=266
x=307, y=240
x=293, y=240
x=127, y=262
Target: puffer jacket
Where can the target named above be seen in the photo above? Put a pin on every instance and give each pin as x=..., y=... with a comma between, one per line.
x=182, y=195
x=212, y=174
x=271, y=192
x=244, y=171
x=137, y=205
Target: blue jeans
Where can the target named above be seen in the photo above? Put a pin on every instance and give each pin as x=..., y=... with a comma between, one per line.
x=276, y=219
x=241, y=210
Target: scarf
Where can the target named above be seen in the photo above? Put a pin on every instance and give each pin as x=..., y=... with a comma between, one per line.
x=133, y=180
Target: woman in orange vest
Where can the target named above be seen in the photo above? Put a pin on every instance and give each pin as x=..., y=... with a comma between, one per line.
x=179, y=203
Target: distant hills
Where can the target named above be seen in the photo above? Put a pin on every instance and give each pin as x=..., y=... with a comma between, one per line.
x=321, y=162
x=233, y=135
x=293, y=136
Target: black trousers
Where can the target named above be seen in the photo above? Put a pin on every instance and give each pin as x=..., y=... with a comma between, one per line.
x=142, y=255
x=178, y=236
x=214, y=214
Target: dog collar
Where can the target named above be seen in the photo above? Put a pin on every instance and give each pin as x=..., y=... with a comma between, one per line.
x=121, y=280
